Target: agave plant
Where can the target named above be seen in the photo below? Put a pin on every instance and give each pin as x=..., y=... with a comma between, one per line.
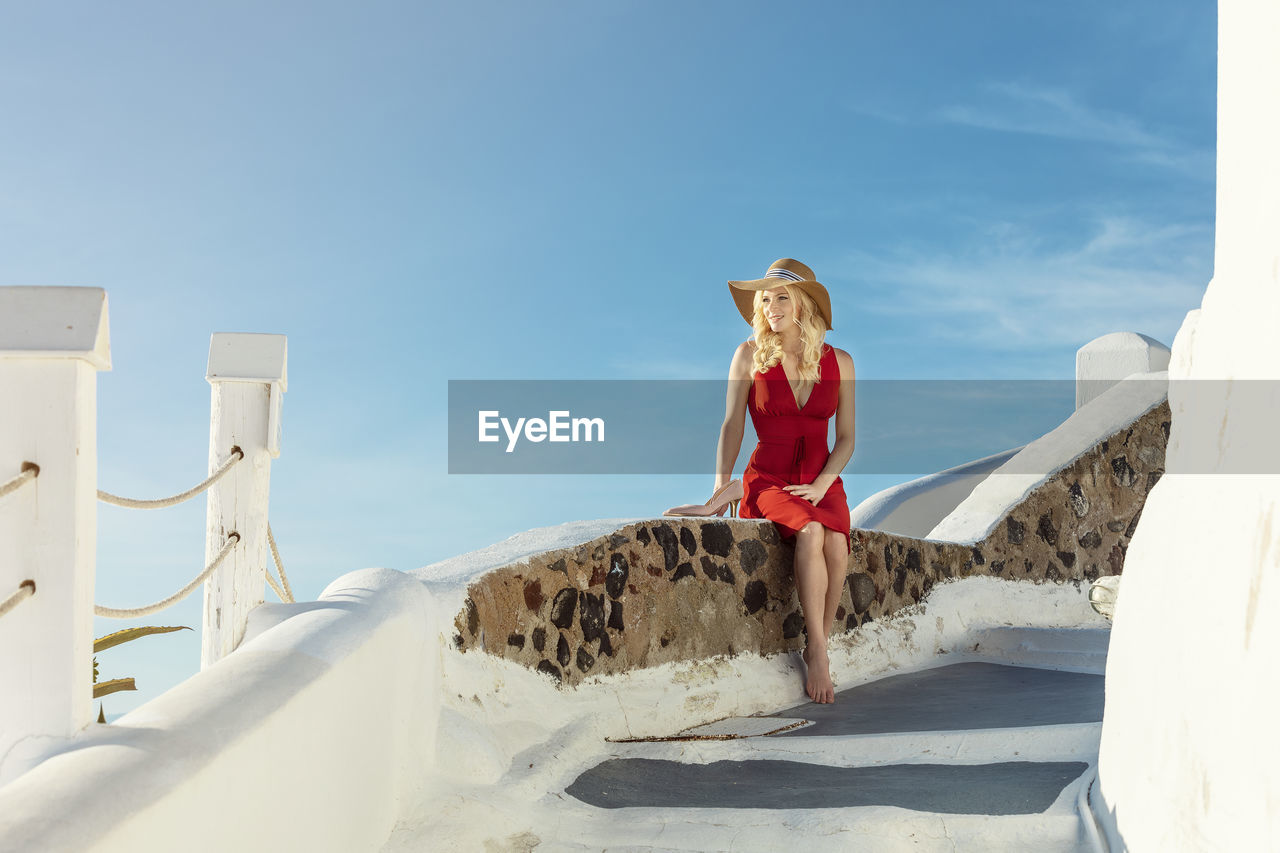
x=115, y=685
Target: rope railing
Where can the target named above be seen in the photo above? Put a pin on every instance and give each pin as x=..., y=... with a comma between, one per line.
x=281, y=588
x=131, y=613
x=287, y=594
x=133, y=503
x=275, y=587
x=30, y=471
x=26, y=589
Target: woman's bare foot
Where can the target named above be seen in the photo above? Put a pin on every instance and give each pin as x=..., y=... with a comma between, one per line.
x=817, y=682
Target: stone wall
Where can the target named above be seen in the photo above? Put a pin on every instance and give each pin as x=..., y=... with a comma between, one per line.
x=684, y=588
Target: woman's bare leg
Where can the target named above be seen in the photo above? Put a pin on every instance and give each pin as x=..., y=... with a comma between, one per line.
x=835, y=550
x=811, y=587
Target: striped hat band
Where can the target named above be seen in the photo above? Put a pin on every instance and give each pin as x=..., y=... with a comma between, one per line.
x=786, y=271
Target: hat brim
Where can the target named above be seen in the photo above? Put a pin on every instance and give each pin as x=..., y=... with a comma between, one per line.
x=744, y=293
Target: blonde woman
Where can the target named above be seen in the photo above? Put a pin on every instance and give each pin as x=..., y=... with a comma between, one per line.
x=792, y=382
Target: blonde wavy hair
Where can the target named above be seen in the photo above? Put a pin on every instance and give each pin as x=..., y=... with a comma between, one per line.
x=769, y=343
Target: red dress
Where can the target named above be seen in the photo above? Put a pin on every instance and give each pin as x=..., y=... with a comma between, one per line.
x=792, y=450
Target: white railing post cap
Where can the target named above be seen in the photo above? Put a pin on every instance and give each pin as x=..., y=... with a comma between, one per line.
x=1104, y=361
x=247, y=357
x=55, y=322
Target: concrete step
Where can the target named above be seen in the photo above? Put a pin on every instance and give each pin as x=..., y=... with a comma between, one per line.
x=760, y=792
x=956, y=696
x=1094, y=640
x=1067, y=742
x=1073, y=649
x=872, y=771
x=988, y=788
x=880, y=829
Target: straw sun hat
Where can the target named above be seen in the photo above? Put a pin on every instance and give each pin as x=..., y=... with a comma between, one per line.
x=782, y=271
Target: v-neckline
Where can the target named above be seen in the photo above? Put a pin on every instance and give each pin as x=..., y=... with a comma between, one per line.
x=794, y=399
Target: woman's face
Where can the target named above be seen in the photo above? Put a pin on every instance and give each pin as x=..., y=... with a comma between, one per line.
x=779, y=309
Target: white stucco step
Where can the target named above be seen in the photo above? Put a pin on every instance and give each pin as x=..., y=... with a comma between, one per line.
x=1077, y=649
x=1091, y=640
x=1068, y=742
x=514, y=744
x=879, y=828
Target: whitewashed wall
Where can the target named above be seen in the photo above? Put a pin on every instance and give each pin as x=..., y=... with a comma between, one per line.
x=315, y=734
x=1190, y=759
x=914, y=508
x=1016, y=478
x=919, y=507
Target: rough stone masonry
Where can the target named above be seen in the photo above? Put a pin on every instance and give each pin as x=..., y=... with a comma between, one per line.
x=686, y=588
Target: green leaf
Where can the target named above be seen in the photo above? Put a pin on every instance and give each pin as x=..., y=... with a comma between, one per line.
x=115, y=685
x=132, y=634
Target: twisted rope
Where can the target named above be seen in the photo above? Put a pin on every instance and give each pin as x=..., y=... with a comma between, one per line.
x=26, y=589
x=287, y=595
x=271, y=582
x=116, y=613
x=30, y=471
x=106, y=497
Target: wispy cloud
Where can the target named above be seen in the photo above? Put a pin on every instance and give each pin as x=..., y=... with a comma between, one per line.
x=1048, y=112
x=1017, y=108
x=1011, y=291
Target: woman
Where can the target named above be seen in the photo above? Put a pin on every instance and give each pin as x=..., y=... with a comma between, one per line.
x=792, y=383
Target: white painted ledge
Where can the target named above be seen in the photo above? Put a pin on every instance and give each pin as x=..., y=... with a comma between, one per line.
x=313, y=735
x=914, y=508
x=1010, y=484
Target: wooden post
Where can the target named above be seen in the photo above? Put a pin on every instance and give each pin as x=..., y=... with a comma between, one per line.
x=53, y=342
x=247, y=373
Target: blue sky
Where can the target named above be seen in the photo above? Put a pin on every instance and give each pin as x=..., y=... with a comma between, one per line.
x=419, y=192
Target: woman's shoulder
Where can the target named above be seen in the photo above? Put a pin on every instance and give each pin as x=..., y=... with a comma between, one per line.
x=844, y=360
x=740, y=367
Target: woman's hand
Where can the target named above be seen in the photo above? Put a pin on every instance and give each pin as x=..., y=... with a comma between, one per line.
x=812, y=492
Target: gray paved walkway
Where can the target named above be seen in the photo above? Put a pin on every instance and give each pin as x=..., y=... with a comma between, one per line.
x=972, y=695
x=994, y=789
x=955, y=697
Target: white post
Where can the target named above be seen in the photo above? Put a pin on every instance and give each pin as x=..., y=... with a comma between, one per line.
x=53, y=342
x=247, y=373
x=1106, y=361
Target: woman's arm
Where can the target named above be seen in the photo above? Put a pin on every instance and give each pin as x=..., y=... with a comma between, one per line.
x=842, y=452
x=735, y=414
